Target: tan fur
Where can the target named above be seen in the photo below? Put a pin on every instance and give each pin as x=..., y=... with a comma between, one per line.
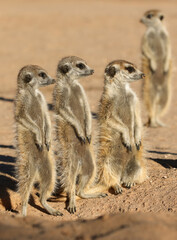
x=33, y=133
x=119, y=157
x=156, y=64
x=76, y=164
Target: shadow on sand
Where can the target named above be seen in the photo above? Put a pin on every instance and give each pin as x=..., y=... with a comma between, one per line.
x=8, y=182
x=166, y=163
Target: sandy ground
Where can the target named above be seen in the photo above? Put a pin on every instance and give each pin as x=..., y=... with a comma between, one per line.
x=42, y=32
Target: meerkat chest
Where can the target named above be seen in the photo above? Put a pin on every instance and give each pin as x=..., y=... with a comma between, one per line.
x=125, y=106
x=36, y=109
x=157, y=42
x=76, y=102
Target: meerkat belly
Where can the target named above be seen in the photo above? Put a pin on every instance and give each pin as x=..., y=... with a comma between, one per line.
x=124, y=114
x=76, y=105
x=37, y=114
x=26, y=143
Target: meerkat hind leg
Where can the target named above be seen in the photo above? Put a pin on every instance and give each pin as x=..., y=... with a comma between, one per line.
x=26, y=177
x=43, y=199
x=131, y=173
x=26, y=194
x=47, y=184
x=71, y=191
x=71, y=207
x=82, y=185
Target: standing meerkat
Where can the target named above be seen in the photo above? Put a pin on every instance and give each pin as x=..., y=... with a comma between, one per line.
x=156, y=64
x=35, y=160
x=73, y=131
x=119, y=157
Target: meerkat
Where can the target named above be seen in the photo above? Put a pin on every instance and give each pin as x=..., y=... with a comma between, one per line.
x=156, y=64
x=33, y=135
x=73, y=131
x=119, y=143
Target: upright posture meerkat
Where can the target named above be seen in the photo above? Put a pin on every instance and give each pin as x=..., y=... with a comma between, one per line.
x=119, y=157
x=156, y=64
x=33, y=136
x=73, y=130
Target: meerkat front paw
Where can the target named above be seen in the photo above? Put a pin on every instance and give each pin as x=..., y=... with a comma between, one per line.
x=38, y=142
x=82, y=139
x=126, y=142
x=47, y=143
x=138, y=145
x=153, y=66
x=89, y=138
x=128, y=147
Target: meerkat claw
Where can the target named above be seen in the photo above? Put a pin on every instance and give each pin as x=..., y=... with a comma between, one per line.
x=103, y=195
x=129, y=147
x=57, y=213
x=138, y=145
x=82, y=140
x=71, y=210
x=39, y=147
x=89, y=139
x=47, y=146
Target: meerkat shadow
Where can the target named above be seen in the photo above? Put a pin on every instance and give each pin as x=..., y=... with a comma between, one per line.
x=166, y=163
x=7, y=180
x=6, y=99
x=7, y=146
x=158, y=152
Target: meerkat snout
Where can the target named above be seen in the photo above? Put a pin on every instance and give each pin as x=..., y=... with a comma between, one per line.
x=143, y=75
x=91, y=71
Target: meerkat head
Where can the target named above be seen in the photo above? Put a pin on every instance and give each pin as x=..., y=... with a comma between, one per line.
x=152, y=18
x=121, y=72
x=34, y=76
x=73, y=68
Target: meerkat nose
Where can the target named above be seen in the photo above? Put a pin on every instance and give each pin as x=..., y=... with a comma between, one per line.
x=143, y=75
x=92, y=71
x=53, y=80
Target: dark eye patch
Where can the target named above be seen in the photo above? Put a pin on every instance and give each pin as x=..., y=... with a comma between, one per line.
x=130, y=69
x=149, y=16
x=80, y=66
x=64, y=69
x=42, y=75
x=27, y=78
x=111, y=71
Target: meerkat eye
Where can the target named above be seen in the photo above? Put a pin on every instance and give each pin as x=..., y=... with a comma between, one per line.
x=130, y=69
x=80, y=66
x=149, y=16
x=42, y=75
x=161, y=17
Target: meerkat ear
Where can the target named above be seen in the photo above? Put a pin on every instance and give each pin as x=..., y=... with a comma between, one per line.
x=27, y=78
x=111, y=71
x=161, y=17
x=64, y=69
